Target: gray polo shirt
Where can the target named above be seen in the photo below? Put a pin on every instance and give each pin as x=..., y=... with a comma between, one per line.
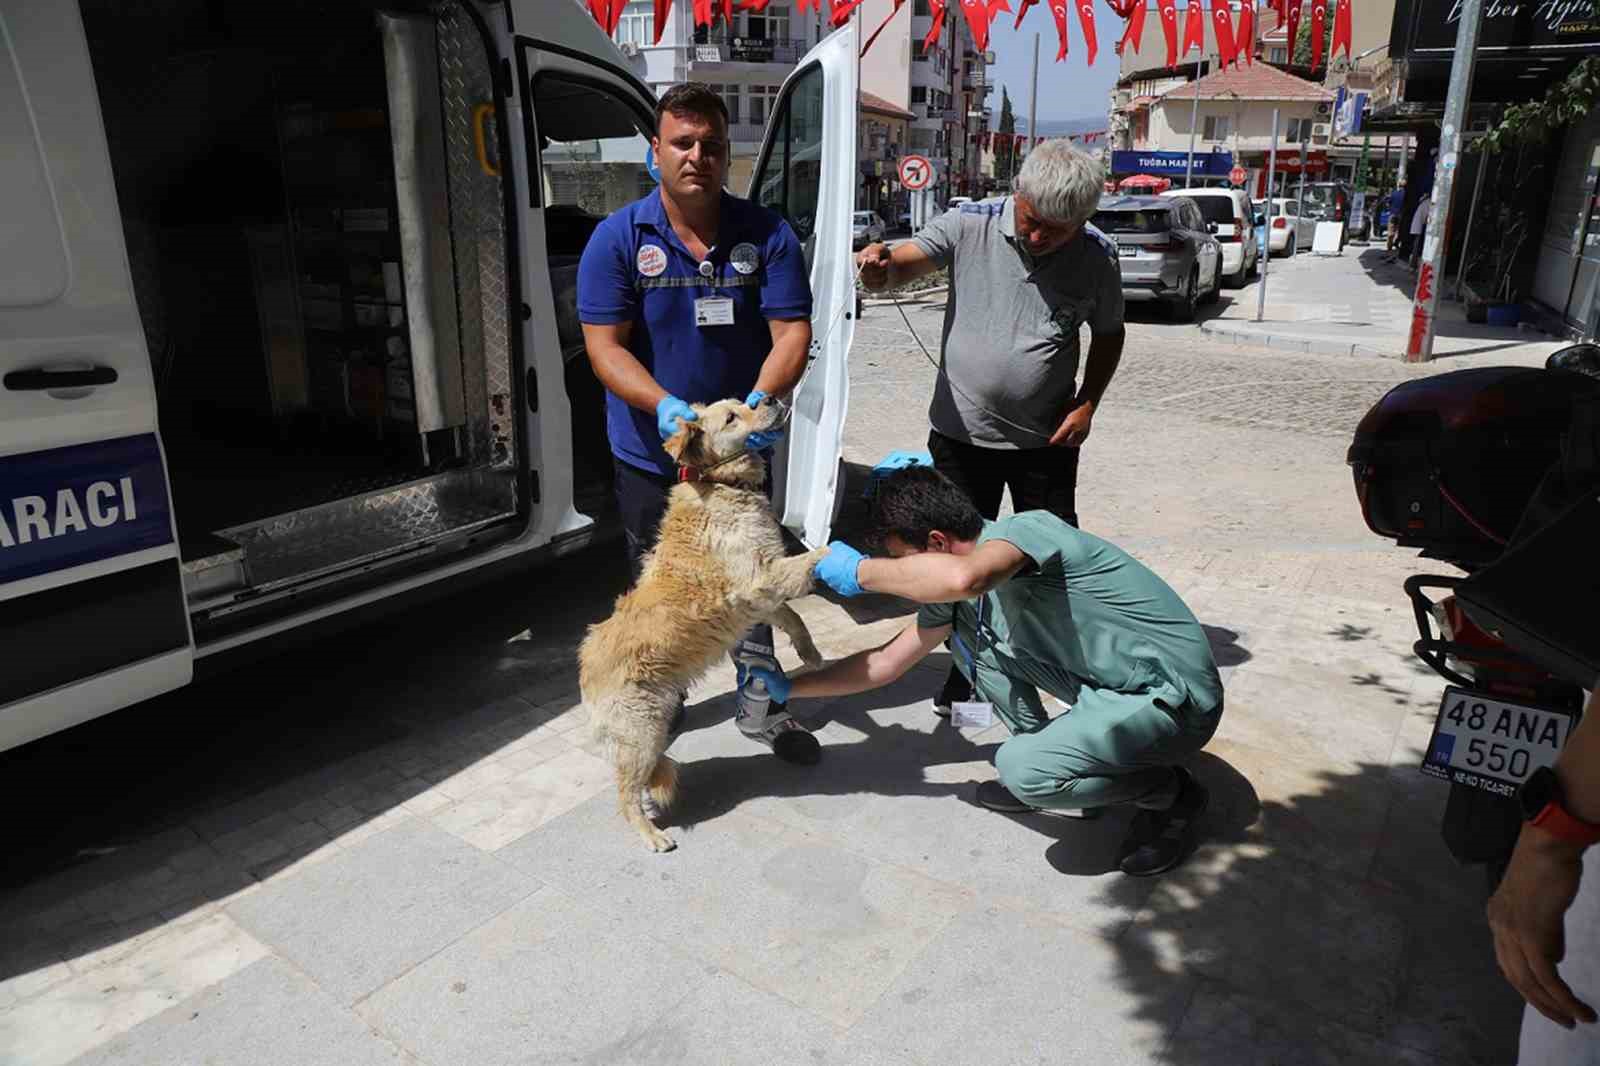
x=1011, y=323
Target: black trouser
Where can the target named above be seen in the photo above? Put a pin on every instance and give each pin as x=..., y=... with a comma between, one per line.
x=1040, y=479
x=642, y=500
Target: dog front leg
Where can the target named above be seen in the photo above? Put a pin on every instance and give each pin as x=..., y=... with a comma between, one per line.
x=794, y=627
x=790, y=578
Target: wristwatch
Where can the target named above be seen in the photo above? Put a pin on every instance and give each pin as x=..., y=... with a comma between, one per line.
x=1540, y=799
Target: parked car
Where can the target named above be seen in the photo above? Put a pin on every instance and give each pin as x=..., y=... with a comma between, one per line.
x=1288, y=231
x=865, y=227
x=1328, y=201
x=957, y=201
x=1166, y=249
x=1229, y=211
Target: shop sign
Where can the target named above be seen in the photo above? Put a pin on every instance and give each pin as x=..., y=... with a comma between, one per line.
x=1508, y=27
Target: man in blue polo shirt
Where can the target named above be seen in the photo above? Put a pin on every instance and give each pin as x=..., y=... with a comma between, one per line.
x=691, y=295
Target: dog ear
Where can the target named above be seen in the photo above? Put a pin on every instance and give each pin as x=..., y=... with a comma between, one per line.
x=679, y=444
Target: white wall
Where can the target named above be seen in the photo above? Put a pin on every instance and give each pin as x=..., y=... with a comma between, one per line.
x=1251, y=122
x=886, y=68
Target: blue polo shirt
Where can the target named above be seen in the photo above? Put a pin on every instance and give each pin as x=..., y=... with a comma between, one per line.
x=635, y=269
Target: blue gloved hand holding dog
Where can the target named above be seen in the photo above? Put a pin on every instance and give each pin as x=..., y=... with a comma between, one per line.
x=761, y=439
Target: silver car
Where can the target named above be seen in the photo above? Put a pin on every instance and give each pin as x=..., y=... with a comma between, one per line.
x=866, y=227
x=1168, y=253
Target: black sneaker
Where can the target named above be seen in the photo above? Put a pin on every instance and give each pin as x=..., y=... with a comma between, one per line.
x=1159, y=840
x=957, y=689
x=996, y=797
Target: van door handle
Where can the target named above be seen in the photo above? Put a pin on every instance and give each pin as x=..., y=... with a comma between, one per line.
x=39, y=380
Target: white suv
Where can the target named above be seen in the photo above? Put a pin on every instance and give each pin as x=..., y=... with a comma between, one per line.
x=1228, y=214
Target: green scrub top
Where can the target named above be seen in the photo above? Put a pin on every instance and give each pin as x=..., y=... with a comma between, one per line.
x=1084, y=614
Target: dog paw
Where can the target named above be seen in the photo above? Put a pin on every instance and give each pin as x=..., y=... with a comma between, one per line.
x=660, y=841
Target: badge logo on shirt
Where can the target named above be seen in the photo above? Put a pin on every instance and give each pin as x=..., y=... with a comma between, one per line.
x=745, y=258
x=651, y=260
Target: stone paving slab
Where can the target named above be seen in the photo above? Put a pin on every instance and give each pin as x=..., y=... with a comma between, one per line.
x=365, y=916
x=266, y=1013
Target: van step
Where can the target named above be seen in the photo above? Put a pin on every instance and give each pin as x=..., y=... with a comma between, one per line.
x=213, y=567
x=301, y=545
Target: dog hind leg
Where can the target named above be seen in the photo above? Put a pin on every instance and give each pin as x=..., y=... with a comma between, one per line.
x=638, y=770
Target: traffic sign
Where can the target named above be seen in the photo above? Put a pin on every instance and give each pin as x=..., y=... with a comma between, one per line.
x=916, y=172
x=1237, y=175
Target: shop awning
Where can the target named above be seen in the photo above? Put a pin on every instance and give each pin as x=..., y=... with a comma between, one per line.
x=1145, y=181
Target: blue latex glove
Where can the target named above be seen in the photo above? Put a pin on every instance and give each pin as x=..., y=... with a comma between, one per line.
x=777, y=682
x=837, y=569
x=761, y=439
x=668, y=411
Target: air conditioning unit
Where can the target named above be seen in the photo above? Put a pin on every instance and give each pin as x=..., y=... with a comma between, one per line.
x=1319, y=131
x=629, y=48
x=1325, y=108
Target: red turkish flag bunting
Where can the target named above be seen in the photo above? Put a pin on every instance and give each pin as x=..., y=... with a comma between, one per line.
x=1169, y=28
x=1135, y=29
x=1294, y=25
x=758, y=6
x=1319, y=30
x=1341, y=29
x=1194, y=27
x=1023, y=10
x=1222, y=16
x=702, y=12
x=936, y=9
x=1091, y=42
x=1247, y=30
x=1058, y=8
x=662, y=8
x=997, y=6
x=977, y=21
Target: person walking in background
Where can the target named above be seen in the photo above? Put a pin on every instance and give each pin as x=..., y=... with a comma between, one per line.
x=1419, y=226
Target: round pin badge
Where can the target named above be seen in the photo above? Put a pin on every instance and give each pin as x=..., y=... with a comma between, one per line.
x=745, y=258
x=651, y=260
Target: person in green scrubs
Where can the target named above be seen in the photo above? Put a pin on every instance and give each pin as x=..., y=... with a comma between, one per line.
x=1030, y=604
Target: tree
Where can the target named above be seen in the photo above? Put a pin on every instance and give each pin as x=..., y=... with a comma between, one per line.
x=1302, y=40
x=1005, y=147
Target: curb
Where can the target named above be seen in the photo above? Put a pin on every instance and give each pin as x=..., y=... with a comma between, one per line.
x=910, y=297
x=1292, y=343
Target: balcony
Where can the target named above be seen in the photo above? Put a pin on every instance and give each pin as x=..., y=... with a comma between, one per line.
x=720, y=48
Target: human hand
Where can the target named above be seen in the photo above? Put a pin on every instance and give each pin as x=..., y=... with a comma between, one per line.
x=873, y=260
x=837, y=569
x=668, y=411
x=777, y=682
x=753, y=400
x=1074, y=429
x=761, y=439
x=1526, y=916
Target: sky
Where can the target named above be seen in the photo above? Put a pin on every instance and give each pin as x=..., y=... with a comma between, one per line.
x=1068, y=89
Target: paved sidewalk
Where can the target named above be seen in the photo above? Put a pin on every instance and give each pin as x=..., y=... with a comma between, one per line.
x=1355, y=304
x=399, y=847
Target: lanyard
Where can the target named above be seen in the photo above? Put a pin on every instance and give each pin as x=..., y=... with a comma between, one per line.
x=977, y=633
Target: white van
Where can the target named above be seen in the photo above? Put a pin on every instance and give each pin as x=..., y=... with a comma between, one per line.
x=1229, y=216
x=287, y=315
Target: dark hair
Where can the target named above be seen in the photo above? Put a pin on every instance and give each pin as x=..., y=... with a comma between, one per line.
x=915, y=501
x=692, y=98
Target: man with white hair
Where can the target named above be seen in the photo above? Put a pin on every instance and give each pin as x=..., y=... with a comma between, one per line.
x=1027, y=271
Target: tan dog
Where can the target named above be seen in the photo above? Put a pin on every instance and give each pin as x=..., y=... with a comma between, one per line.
x=717, y=569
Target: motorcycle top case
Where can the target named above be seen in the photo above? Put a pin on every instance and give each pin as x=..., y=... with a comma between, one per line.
x=1448, y=463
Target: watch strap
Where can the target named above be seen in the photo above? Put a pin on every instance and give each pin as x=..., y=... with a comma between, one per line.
x=1555, y=820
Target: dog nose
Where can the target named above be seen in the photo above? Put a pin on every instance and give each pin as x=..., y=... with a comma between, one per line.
x=768, y=401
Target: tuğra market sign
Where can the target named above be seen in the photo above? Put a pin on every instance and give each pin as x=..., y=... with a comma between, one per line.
x=1509, y=27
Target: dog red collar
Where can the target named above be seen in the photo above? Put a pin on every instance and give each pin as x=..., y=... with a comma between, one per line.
x=688, y=474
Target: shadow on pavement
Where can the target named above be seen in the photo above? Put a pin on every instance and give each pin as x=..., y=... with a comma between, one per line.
x=1311, y=948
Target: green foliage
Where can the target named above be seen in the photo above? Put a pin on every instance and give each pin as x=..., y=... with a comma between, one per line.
x=1008, y=124
x=1568, y=100
x=1302, y=39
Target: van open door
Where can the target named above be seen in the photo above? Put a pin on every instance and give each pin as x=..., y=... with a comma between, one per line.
x=807, y=172
x=91, y=593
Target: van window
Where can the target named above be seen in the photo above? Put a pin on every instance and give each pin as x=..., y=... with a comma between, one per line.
x=34, y=269
x=1148, y=220
x=592, y=148
x=1215, y=208
x=790, y=178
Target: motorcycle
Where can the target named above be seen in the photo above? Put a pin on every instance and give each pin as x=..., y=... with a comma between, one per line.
x=1494, y=471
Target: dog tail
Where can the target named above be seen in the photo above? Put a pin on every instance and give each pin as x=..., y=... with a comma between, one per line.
x=664, y=783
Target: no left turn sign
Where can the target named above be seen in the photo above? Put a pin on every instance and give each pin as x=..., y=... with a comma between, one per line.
x=916, y=172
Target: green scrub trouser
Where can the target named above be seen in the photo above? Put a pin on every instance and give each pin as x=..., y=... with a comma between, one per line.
x=1111, y=747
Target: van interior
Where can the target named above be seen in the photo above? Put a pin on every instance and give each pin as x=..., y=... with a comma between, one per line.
x=316, y=228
